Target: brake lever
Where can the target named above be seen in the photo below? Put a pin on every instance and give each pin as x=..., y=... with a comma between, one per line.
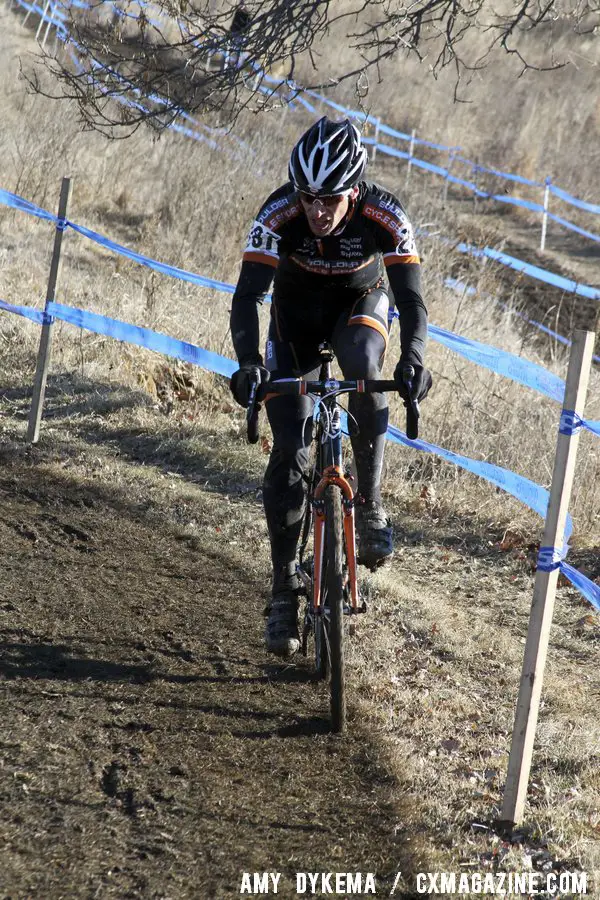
x=413, y=410
x=252, y=415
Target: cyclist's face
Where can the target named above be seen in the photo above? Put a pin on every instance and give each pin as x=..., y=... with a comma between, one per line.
x=324, y=214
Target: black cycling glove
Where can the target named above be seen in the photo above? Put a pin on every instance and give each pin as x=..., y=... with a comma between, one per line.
x=249, y=373
x=421, y=383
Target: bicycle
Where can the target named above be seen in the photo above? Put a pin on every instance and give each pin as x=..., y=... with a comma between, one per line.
x=329, y=579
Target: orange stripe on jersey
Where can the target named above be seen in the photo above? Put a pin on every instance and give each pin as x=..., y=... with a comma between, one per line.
x=371, y=322
x=260, y=258
x=391, y=259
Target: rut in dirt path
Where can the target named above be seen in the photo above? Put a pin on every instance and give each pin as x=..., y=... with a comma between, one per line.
x=150, y=748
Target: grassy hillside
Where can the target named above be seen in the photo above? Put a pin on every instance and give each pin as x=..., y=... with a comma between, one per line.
x=147, y=458
x=181, y=202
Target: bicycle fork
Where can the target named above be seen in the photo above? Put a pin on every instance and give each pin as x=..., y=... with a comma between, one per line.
x=332, y=473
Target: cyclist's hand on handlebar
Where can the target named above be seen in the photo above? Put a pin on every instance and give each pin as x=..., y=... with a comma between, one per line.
x=412, y=386
x=248, y=374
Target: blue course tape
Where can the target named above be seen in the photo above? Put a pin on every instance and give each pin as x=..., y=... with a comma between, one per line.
x=164, y=268
x=294, y=88
x=460, y=286
x=574, y=201
x=566, y=224
x=36, y=315
x=144, y=337
x=508, y=176
x=550, y=558
x=33, y=7
x=136, y=104
x=516, y=201
x=533, y=495
x=584, y=585
x=385, y=129
x=593, y=426
x=25, y=206
x=502, y=362
x=570, y=422
x=528, y=492
x=471, y=186
x=566, y=284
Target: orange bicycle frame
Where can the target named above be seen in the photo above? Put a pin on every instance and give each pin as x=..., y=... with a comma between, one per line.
x=334, y=475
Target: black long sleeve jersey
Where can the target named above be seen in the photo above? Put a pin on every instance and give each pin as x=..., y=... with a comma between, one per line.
x=344, y=265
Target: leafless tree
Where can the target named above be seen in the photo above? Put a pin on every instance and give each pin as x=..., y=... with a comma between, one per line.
x=130, y=62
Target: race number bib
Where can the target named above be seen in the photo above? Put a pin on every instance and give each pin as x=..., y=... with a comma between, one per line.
x=262, y=240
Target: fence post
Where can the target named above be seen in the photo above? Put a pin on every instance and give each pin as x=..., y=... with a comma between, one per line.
x=410, y=156
x=376, y=139
x=546, y=577
x=45, y=38
x=43, y=358
x=42, y=20
x=27, y=14
x=475, y=182
x=452, y=154
x=545, y=213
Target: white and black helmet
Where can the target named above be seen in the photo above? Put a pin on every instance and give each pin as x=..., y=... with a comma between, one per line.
x=328, y=159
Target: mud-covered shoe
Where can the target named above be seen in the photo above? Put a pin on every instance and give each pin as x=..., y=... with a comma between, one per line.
x=374, y=534
x=281, y=630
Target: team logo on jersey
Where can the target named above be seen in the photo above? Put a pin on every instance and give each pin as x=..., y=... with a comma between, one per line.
x=278, y=212
x=351, y=247
x=397, y=224
x=392, y=207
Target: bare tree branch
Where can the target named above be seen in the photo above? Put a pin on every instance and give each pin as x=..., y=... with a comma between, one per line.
x=126, y=64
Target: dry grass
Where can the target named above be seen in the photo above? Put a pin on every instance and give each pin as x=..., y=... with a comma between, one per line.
x=438, y=665
x=174, y=200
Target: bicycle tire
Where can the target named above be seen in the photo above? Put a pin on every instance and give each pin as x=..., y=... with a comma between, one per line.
x=334, y=579
x=322, y=651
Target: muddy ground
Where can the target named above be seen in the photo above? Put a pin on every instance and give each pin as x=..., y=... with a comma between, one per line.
x=149, y=748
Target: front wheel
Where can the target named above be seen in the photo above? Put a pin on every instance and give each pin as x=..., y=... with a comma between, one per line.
x=334, y=603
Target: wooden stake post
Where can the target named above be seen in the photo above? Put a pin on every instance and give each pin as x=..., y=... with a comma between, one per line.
x=548, y=182
x=376, y=139
x=43, y=358
x=410, y=156
x=544, y=592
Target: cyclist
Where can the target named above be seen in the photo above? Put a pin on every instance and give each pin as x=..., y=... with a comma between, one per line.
x=325, y=237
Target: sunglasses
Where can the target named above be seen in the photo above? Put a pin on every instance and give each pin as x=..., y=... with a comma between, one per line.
x=330, y=200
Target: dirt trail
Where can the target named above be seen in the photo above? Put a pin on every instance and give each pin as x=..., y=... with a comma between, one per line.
x=148, y=747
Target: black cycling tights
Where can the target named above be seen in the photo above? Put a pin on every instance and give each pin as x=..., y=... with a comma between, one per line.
x=359, y=350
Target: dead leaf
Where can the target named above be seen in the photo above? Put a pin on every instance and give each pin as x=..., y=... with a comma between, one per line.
x=428, y=496
x=512, y=540
x=451, y=745
x=265, y=445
